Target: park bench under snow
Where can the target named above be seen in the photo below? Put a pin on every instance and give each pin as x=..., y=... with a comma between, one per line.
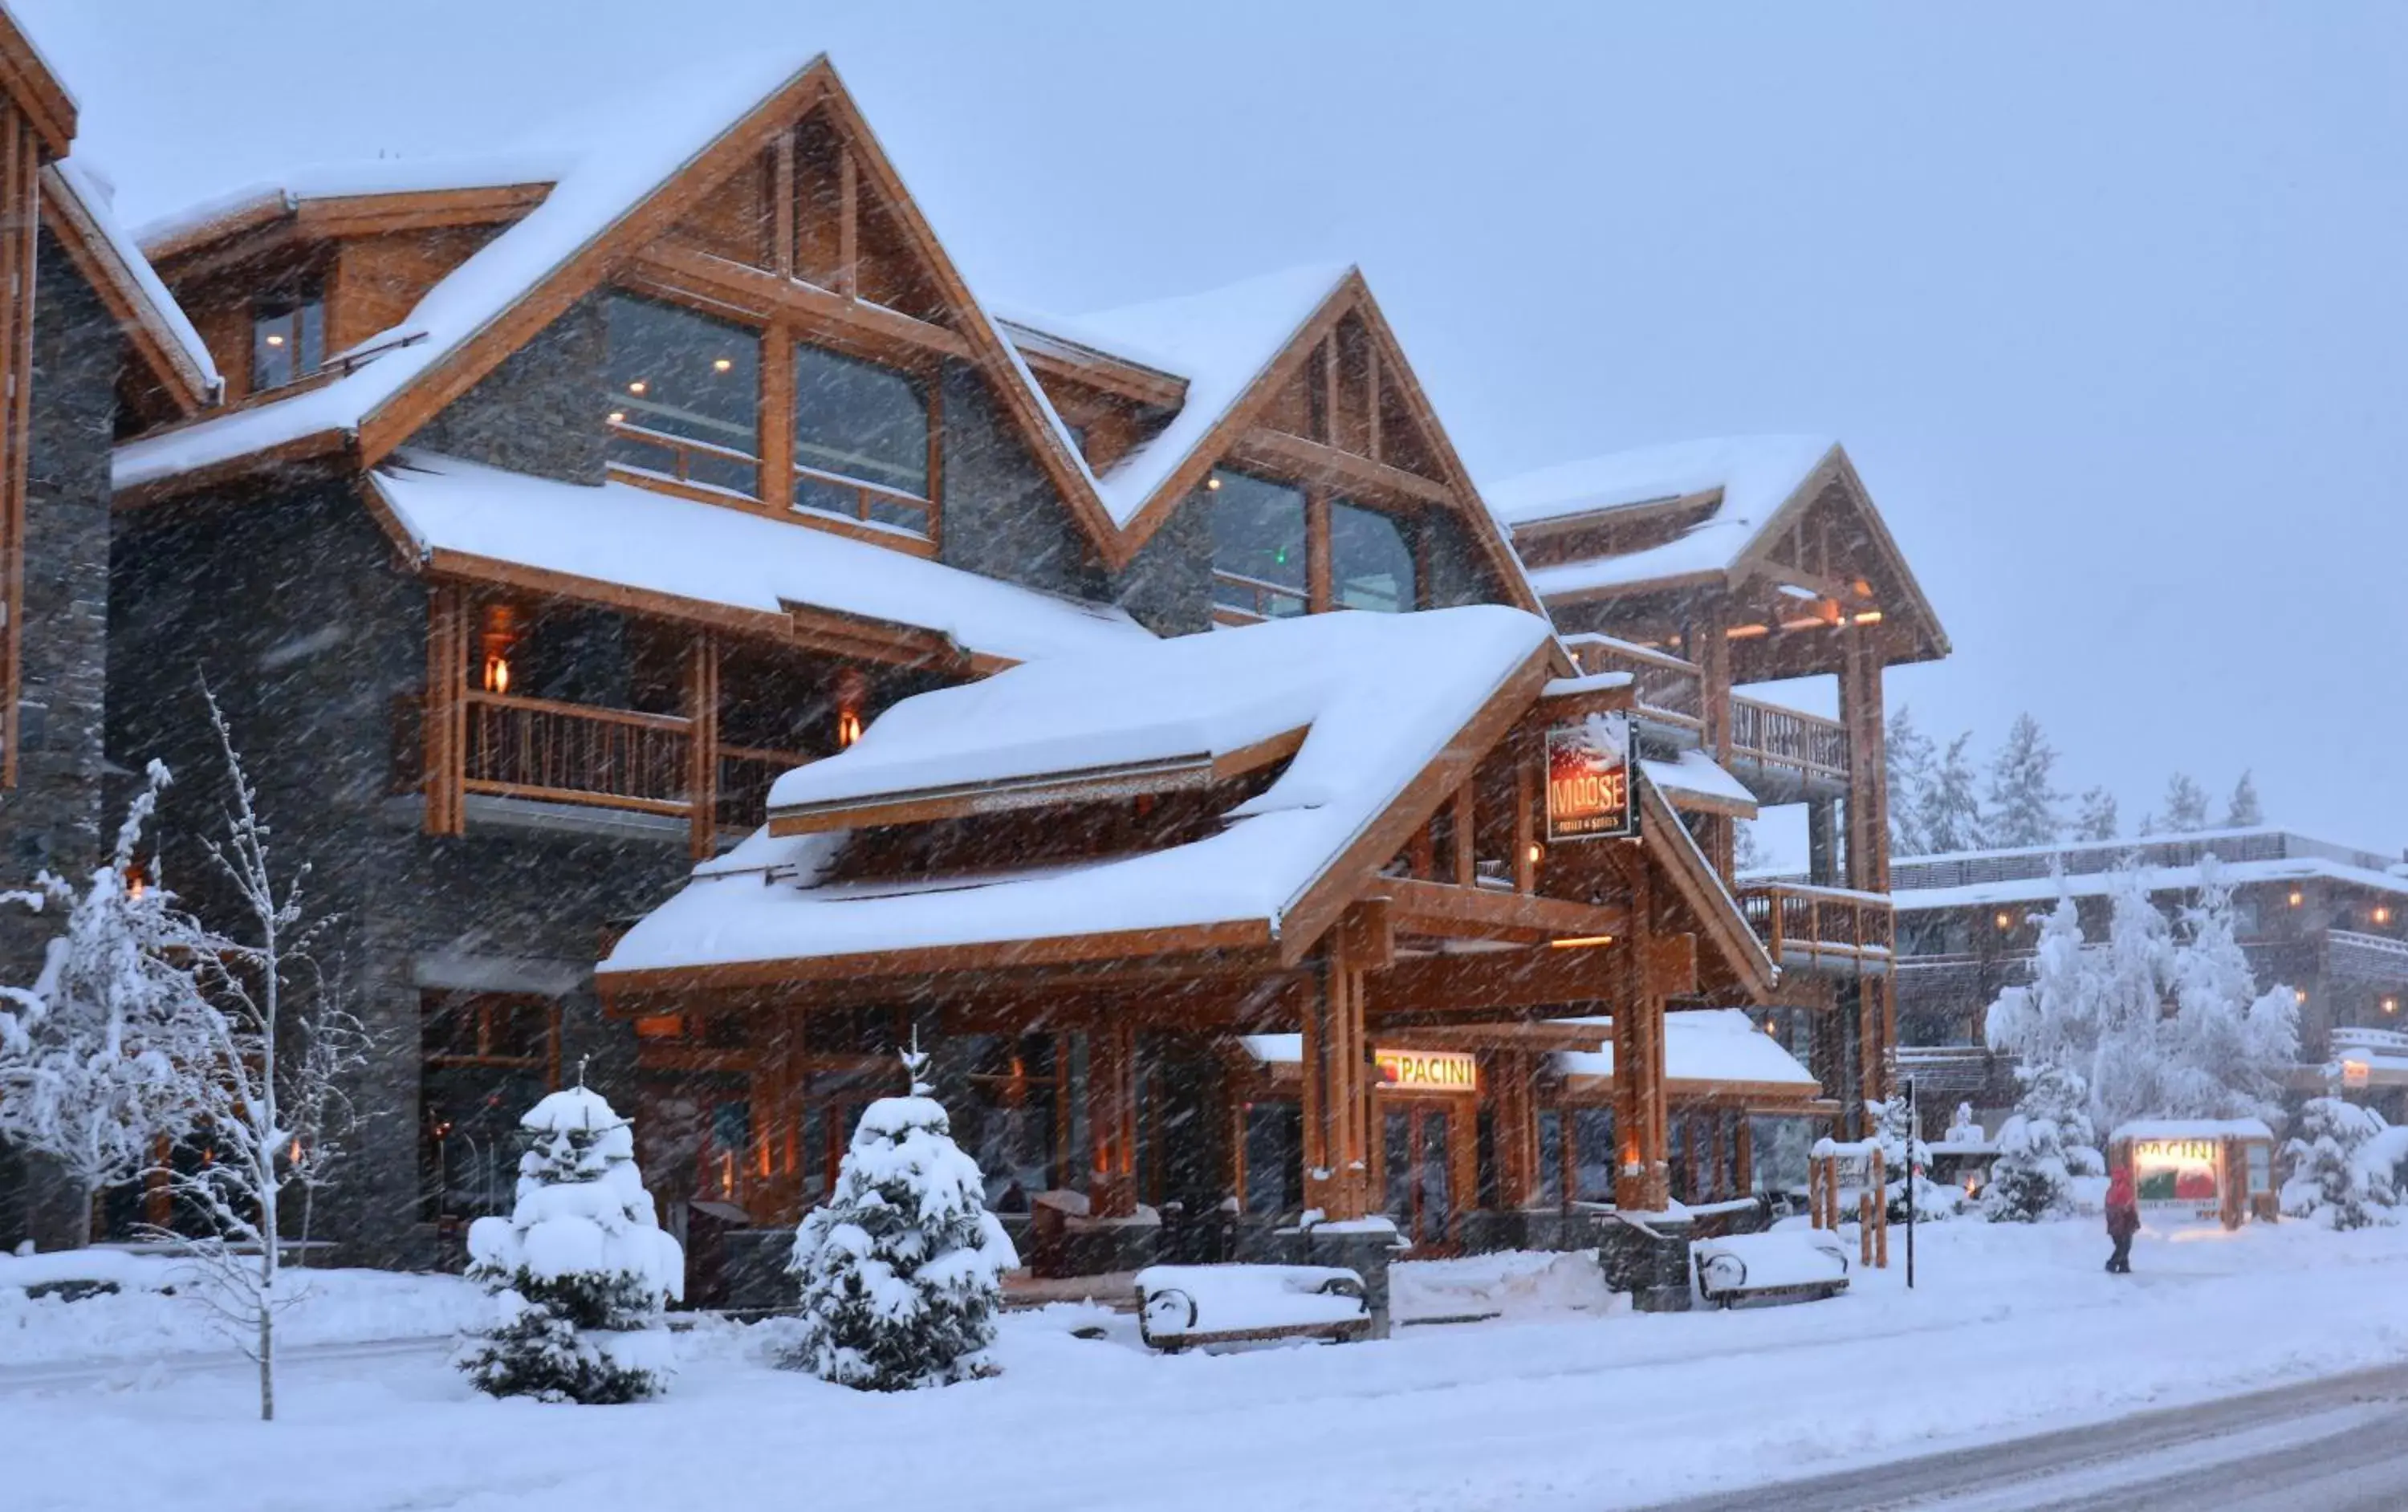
x=1182, y=1304
x=1771, y=1267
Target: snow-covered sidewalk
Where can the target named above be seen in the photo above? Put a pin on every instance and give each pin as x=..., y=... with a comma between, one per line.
x=1555, y=1404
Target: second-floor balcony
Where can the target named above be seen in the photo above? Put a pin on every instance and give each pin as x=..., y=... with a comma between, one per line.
x=1783, y=755
x=2374, y=960
x=1820, y=929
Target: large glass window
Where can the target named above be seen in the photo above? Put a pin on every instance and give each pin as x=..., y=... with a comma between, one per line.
x=288, y=338
x=861, y=441
x=485, y=1059
x=1371, y=563
x=1258, y=546
x=1593, y=1154
x=685, y=395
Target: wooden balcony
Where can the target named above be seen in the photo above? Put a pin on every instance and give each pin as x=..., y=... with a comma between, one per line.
x=1670, y=691
x=1820, y=929
x=1783, y=754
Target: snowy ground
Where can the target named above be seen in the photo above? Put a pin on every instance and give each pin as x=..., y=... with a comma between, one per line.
x=1560, y=1403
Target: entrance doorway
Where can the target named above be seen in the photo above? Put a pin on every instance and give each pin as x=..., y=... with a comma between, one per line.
x=1418, y=1150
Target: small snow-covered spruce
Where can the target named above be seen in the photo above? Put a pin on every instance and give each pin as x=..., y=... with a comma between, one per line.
x=2043, y=1145
x=2332, y=1181
x=1894, y=1126
x=2025, y=808
x=580, y=1267
x=902, y=1269
x=103, y=1056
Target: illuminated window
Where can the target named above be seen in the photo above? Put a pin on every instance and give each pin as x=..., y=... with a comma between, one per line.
x=684, y=397
x=1371, y=564
x=288, y=338
x=1258, y=546
x=861, y=441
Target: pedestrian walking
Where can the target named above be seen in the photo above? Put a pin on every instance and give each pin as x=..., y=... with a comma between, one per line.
x=2123, y=1221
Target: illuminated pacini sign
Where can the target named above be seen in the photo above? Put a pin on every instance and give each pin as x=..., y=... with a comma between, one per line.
x=1589, y=790
x=1428, y=1071
x=2184, y=1174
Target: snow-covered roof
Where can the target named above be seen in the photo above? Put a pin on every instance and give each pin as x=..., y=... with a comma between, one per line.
x=2154, y=879
x=1702, y=1044
x=607, y=178
x=288, y=191
x=1381, y=696
x=2193, y=1128
x=154, y=305
x=1753, y=476
x=1220, y=340
x=1695, y=774
x=632, y=537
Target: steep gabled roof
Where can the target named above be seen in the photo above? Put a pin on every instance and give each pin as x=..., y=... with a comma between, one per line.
x=29, y=80
x=77, y=205
x=613, y=191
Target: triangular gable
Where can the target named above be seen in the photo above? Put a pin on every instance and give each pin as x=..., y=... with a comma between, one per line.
x=78, y=212
x=1250, y=354
x=1771, y=548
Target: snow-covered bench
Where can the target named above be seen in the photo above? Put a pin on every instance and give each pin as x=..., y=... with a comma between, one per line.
x=1771, y=1267
x=1182, y=1304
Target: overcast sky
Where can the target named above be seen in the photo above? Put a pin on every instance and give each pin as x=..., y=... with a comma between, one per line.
x=2105, y=301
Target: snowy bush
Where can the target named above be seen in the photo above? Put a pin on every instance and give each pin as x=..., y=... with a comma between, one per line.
x=580, y=1267
x=2045, y=1144
x=2334, y=1180
x=902, y=1270
x=1893, y=1125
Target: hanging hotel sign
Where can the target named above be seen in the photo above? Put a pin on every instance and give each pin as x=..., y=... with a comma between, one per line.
x=1591, y=791
x=1426, y=1071
x=2179, y=1175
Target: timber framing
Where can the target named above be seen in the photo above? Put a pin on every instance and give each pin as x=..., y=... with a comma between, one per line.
x=29, y=82
x=136, y=314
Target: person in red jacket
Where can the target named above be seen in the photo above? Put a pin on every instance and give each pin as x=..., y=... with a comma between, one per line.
x=2123, y=1221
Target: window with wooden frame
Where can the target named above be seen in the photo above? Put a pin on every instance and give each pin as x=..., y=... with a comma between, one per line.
x=1280, y=551
x=685, y=397
x=288, y=336
x=864, y=442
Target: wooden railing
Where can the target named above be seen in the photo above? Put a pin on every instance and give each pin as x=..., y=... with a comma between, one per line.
x=1248, y=599
x=1772, y=735
x=1812, y=926
x=609, y=758
x=1668, y=689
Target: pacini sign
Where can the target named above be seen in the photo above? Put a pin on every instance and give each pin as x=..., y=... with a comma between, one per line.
x=1428, y=1071
x=1589, y=790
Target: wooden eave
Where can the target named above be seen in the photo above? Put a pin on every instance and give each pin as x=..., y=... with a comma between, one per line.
x=98, y=262
x=1177, y=773
x=35, y=89
x=1059, y=357
x=334, y=217
x=1235, y=429
x=1617, y=514
x=332, y=447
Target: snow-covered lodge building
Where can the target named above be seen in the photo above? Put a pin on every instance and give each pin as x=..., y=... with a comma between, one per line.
x=694, y=638
x=2329, y=922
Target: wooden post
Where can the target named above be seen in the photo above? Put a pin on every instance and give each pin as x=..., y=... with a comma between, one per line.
x=1513, y=1114
x=1466, y=845
x=443, y=720
x=1337, y=1088
x=702, y=747
x=1861, y=717
x=1112, y=1116
x=847, y=235
x=1526, y=830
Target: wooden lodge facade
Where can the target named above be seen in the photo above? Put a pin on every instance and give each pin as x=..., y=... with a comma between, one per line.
x=691, y=639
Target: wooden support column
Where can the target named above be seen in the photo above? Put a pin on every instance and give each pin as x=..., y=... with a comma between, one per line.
x=20, y=221
x=1112, y=1116
x=444, y=722
x=1336, y=1086
x=1526, y=829
x=1514, y=1114
x=1718, y=836
x=1861, y=718
x=702, y=745
x=848, y=233
x=1466, y=840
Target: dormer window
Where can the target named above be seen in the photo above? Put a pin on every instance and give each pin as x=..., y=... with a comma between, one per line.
x=288, y=338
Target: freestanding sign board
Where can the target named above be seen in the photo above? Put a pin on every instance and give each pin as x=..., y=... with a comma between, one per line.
x=2198, y=1170
x=1592, y=794
x=2179, y=1177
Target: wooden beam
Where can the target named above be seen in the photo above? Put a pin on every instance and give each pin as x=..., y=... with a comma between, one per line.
x=143, y=322
x=1052, y=356
x=1479, y=913
x=46, y=105
x=814, y=312
x=1492, y=984
x=443, y=715
x=848, y=223
x=1313, y=462
x=21, y=197
x=702, y=745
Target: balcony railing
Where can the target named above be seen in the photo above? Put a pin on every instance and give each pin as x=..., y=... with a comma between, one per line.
x=2367, y=957
x=1668, y=688
x=1770, y=735
x=1819, y=927
x=548, y=751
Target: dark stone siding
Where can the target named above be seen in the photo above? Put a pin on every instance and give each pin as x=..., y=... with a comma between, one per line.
x=294, y=606
x=51, y=821
x=542, y=410
x=1002, y=517
x=1168, y=586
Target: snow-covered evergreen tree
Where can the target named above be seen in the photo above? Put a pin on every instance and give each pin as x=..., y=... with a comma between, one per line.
x=2183, y=810
x=101, y=1057
x=1963, y=1128
x=1949, y=814
x=2094, y=816
x=1748, y=853
x=1909, y=756
x=2024, y=807
x=582, y=1268
x=2242, y=810
x=902, y=1269
x=2331, y=1179
x=2129, y=1071
x=2045, y=1143
x=2230, y=1045
x=2052, y=1019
